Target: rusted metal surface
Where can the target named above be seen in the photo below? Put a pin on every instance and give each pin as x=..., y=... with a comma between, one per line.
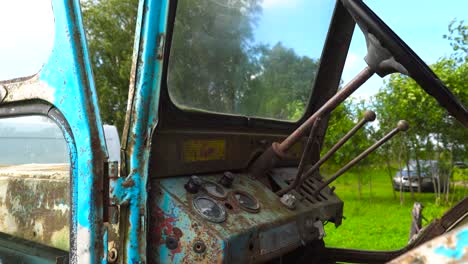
x=359, y=256
x=130, y=190
x=35, y=203
x=369, y=116
x=402, y=126
x=241, y=231
x=65, y=82
x=416, y=220
x=449, y=248
x=193, y=242
x=305, y=155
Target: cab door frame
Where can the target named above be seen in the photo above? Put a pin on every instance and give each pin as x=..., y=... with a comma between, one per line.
x=129, y=191
x=66, y=88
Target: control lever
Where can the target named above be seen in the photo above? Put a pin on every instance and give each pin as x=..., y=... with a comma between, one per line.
x=268, y=159
x=401, y=126
x=369, y=116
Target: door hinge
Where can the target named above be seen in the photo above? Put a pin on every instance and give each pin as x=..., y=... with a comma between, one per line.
x=111, y=173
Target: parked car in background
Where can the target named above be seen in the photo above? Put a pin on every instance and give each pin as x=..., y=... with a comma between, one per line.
x=410, y=178
x=406, y=179
x=460, y=164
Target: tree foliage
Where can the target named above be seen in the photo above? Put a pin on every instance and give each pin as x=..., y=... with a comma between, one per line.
x=110, y=27
x=403, y=98
x=215, y=63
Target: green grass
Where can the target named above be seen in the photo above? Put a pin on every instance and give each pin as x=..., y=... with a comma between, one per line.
x=376, y=220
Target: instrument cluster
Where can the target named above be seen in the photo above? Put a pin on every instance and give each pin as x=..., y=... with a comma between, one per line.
x=214, y=200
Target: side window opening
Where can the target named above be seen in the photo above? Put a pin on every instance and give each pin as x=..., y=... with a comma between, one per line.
x=34, y=181
x=247, y=58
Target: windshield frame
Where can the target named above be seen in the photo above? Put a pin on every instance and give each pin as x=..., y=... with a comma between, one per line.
x=331, y=64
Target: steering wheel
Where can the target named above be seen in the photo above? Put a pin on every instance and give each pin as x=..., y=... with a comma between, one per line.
x=387, y=53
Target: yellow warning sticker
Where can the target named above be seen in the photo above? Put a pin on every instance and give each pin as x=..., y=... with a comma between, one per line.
x=203, y=150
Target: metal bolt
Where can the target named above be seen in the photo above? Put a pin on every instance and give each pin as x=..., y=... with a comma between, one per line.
x=289, y=200
x=199, y=246
x=172, y=242
x=112, y=255
x=193, y=185
x=227, y=179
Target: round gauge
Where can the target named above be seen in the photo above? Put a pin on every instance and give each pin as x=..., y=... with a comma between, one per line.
x=209, y=209
x=214, y=190
x=246, y=201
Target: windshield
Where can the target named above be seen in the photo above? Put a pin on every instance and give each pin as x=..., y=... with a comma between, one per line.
x=247, y=57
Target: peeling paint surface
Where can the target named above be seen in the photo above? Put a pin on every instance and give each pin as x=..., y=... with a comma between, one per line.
x=34, y=203
x=66, y=83
x=244, y=237
x=140, y=121
x=448, y=248
x=32, y=88
x=170, y=219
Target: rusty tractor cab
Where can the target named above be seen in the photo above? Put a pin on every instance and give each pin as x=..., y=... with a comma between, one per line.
x=197, y=184
x=245, y=189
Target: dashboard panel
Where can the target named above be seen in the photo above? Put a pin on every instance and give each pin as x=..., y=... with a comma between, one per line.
x=176, y=152
x=242, y=223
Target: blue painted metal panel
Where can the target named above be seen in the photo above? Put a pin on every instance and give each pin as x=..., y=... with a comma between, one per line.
x=144, y=102
x=172, y=219
x=457, y=251
x=68, y=72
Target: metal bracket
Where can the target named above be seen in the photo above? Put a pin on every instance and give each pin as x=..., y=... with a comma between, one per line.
x=3, y=93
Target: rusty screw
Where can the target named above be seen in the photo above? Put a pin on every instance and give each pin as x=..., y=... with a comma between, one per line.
x=112, y=255
x=199, y=246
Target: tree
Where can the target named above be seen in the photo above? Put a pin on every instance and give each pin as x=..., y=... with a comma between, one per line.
x=214, y=65
x=432, y=128
x=212, y=54
x=110, y=27
x=458, y=37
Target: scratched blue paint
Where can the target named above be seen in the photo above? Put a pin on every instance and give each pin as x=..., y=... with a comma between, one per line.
x=151, y=22
x=106, y=247
x=68, y=71
x=175, y=217
x=460, y=247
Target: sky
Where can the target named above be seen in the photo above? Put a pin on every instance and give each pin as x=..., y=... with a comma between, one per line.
x=27, y=34
x=298, y=24
x=420, y=23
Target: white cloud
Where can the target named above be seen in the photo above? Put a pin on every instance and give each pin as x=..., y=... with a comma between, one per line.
x=279, y=3
x=352, y=60
x=27, y=30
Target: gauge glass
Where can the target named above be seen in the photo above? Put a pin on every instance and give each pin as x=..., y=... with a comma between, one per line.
x=246, y=201
x=214, y=190
x=209, y=209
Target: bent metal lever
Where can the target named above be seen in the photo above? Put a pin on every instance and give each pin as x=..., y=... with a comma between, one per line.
x=401, y=126
x=369, y=116
x=268, y=159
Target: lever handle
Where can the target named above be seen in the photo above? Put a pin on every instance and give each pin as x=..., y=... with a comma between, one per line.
x=369, y=116
x=401, y=126
x=269, y=158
